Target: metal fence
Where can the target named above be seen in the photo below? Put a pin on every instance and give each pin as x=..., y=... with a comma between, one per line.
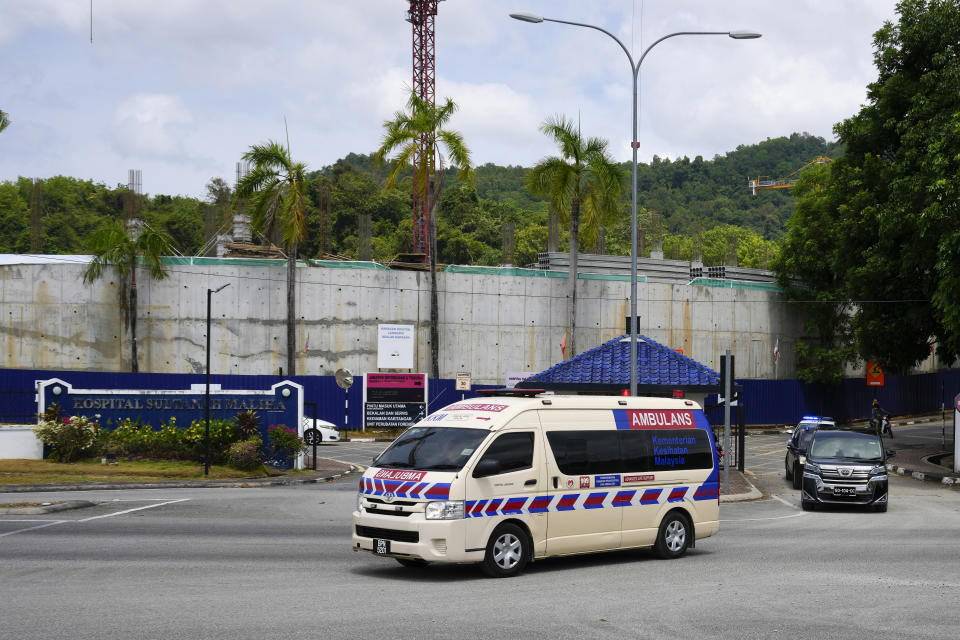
x=765, y=402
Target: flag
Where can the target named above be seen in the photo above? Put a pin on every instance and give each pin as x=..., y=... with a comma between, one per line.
x=563, y=346
x=776, y=351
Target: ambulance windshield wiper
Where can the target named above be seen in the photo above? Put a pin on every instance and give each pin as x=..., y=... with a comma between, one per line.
x=441, y=467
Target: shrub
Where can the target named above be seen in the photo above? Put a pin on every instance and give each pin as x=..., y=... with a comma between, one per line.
x=246, y=454
x=69, y=438
x=246, y=423
x=286, y=442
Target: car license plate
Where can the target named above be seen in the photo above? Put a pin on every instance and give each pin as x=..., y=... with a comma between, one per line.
x=381, y=547
x=844, y=491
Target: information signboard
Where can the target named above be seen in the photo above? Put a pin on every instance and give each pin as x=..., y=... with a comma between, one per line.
x=393, y=400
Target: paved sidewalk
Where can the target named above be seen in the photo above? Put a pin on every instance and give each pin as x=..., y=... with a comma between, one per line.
x=917, y=458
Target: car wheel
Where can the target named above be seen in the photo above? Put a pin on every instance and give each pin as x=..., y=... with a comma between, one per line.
x=786, y=469
x=673, y=537
x=797, y=477
x=507, y=552
x=807, y=506
x=413, y=563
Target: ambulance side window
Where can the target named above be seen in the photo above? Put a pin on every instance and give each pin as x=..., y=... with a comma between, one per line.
x=512, y=451
x=585, y=452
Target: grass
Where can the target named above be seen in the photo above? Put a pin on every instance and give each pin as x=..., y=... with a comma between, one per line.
x=44, y=472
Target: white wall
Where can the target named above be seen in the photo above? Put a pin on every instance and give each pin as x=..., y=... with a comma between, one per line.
x=49, y=319
x=19, y=441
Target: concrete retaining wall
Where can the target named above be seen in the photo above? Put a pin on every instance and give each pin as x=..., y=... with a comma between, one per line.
x=490, y=325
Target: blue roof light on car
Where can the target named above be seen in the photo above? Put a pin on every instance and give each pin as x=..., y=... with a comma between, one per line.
x=811, y=417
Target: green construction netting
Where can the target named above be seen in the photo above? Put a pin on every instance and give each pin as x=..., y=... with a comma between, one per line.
x=536, y=273
x=268, y=262
x=735, y=284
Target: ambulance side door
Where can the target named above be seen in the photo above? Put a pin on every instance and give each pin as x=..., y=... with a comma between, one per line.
x=582, y=516
x=505, y=481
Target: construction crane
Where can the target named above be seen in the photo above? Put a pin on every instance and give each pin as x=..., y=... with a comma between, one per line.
x=422, y=16
x=762, y=183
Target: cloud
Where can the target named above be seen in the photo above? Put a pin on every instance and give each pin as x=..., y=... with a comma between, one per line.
x=150, y=124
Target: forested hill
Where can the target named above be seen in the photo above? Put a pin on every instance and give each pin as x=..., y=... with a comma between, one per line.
x=687, y=193
x=692, y=196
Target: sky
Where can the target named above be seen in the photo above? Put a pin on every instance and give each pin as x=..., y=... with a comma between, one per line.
x=180, y=89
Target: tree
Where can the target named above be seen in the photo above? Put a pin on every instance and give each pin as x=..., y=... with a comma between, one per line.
x=114, y=245
x=424, y=122
x=883, y=249
x=4, y=120
x=582, y=182
x=276, y=187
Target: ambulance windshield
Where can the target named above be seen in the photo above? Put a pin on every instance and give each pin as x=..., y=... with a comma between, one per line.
x=432, y=449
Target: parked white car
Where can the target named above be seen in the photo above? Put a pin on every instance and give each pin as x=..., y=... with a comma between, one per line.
x=328, y=430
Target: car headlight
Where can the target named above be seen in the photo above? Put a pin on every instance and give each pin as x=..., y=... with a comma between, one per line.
x=802, y=459
x=811, y=467
x=444, y=510
x=360, y=502
x=878, y=470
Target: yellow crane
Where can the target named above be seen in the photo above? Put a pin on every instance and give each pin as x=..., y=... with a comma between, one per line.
x=761, y=183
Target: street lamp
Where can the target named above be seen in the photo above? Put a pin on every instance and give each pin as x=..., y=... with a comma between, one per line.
x=206, y=429
x=635, y=71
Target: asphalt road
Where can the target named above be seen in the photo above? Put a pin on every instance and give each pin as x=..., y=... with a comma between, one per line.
x=276, y=563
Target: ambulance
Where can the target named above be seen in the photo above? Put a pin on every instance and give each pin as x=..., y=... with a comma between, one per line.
x=509, y=479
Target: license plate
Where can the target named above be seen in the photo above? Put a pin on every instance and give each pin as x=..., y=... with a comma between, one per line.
x=380, y=546
x=844, y=491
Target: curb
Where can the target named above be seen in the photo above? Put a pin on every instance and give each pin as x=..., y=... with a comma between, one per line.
x=240, y=483
x=753, y=494
x=46, y=508
x=925, y=476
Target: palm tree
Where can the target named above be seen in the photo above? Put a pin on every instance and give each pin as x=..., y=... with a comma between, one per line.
x=113, y=245
x=424, y=123
x=276, y=187
x=4, y=120
x=584, y=181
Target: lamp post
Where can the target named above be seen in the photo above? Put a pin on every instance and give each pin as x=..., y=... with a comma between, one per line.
x=206, y=404
x=635, y=72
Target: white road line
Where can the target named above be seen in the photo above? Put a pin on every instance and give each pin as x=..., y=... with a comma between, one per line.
x=120, y=513
x=39, y=526
x=779, y=499
x=792, y=515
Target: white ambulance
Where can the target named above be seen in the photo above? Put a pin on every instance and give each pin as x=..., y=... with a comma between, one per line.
x=503, y=481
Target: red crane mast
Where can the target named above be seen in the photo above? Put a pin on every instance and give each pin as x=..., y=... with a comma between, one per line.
x=422, y=16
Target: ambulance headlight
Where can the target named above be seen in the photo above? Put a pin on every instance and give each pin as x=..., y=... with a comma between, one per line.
x=444, y=510
x=359, y=503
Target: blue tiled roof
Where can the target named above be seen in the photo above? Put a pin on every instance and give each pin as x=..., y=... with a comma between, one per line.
x=610, y=364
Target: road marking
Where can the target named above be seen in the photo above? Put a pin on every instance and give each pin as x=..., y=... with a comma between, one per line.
x=49, y=523
x=792, y=515
x=779, y=499
x=120, y=513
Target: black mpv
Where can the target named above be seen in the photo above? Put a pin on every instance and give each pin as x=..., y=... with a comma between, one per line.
x=845, y=467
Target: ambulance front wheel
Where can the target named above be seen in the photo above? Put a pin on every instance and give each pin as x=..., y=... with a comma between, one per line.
x=673, y=536
x=507, y=552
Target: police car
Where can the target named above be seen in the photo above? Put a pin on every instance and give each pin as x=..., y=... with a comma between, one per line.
x=328, y=430
x=799, y=442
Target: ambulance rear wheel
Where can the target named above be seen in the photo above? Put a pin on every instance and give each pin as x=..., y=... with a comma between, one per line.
x=673, y=537
x=507, y=552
